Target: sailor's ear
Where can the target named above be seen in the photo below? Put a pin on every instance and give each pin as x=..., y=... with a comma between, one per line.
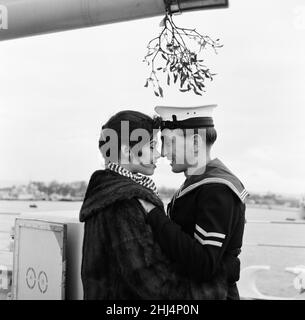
x=125, y=151
x=197, y=142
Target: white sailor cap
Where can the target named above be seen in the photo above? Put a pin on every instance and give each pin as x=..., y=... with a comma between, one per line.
x=186, y=117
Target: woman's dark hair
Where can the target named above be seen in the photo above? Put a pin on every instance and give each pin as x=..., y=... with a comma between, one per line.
x=135, y=119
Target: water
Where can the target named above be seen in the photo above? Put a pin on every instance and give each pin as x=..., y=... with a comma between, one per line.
x=24, y=206
x=261, y=241
x=10, y=210
x=276, y=245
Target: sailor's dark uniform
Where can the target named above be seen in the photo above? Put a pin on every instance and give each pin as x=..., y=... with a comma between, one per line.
x=209, y=216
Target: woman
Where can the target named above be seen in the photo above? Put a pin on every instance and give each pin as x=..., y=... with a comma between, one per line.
x=121, y=260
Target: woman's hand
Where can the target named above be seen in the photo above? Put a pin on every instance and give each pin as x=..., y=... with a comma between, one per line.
x=147, y=206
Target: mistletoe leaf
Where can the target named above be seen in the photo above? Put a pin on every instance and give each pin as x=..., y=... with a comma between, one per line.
x=175, y=77
x=196, y=92
x=185, y=63
x=160, y=92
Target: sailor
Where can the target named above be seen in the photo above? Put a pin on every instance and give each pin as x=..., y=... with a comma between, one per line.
x=203, y=229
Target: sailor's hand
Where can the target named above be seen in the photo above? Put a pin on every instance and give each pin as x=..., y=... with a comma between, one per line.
x=147, y=206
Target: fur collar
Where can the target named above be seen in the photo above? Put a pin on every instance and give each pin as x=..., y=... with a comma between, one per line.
x=107, y=187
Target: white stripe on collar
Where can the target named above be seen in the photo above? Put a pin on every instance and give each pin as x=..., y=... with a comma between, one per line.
x=242, y=195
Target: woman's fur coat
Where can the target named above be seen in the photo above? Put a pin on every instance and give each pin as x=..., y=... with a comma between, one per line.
x=120, y=259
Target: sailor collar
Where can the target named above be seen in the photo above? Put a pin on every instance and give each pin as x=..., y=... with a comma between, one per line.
x=216, y=172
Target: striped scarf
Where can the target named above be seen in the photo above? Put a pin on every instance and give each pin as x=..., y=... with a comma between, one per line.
x=136, y=177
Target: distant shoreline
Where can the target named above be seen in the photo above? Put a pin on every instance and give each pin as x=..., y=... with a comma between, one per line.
x=43, y=200
x=260, y=206
x=272, y=207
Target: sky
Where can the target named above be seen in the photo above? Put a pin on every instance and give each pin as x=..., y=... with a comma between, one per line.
x=57, y=90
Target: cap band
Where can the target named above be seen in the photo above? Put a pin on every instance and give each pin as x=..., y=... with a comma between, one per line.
x=193, y=123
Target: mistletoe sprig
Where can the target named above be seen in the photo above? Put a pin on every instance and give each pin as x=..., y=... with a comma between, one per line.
x=179, y=62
